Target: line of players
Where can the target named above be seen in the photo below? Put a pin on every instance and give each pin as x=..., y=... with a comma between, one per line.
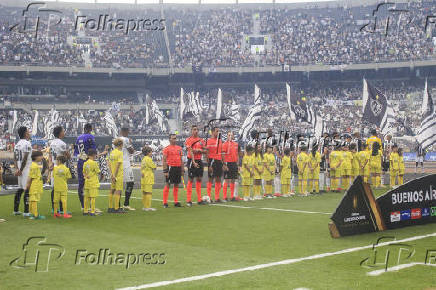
x=260, y=163
x=29, y=170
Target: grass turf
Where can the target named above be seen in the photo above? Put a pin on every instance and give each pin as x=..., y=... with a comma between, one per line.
x=206, y=239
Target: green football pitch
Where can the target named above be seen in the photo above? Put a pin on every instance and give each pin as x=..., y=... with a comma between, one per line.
x=281, y=243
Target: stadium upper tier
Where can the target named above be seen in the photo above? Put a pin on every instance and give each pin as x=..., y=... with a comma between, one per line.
x=216, y=37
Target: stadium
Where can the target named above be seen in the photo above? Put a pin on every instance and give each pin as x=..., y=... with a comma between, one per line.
x=205, y=144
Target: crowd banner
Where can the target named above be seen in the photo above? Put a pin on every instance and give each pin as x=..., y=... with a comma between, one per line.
x=413, y=203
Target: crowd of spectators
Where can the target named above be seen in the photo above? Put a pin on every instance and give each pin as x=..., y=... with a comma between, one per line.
x=213, y=37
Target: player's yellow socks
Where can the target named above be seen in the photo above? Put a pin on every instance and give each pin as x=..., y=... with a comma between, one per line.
x=116, y=201
x=333, y=183
x=34, y=208
x=144, y=197
x=392, y=180
x=92, y=204
x=55, y=204
x=148, y=200
x=86, y=204
x=316, y=185
x=400, y=179
x=246, y=190
x=64, y=204
x=111, y=197
x=303, y=186
x=310, y=185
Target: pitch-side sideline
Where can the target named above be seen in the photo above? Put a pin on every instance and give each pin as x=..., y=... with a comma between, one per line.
x=273, y=264
x=238, y=206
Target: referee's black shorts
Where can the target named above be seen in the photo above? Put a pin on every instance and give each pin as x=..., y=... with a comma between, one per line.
x=232, y=173
x=195, y=171
x=174, y=175
x=217, y=168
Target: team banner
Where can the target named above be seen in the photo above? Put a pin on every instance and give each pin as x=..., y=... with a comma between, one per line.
x=357, y=212
x=413, y=203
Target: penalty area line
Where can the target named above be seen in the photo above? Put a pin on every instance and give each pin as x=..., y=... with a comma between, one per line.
x=273, y=264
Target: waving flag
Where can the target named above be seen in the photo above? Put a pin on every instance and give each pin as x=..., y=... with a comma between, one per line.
x=234, y=112
x=182, y=103
x=253, y=115
x=376, y=108
x=35, y=124
x=110, y=124
x=426, y=135
x=50, y=121
x=219, y=104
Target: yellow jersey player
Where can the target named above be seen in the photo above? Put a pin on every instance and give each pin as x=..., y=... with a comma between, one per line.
x=286, y=173
x=375, y=165
x=116, y=167
x=257, y=172
x=336, y=159
x=147, y=178
x=402, y=167
x=247, y=172
x=394, y=165
x=35, y=185
x=304, y=169
x=91, y=172
x=269, y=168
x=355, y=169
x=363, y=157
x=315, y=161
x=61, y=174
x=347, y=166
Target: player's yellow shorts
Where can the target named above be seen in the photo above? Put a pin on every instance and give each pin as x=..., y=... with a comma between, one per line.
x=267, y=177
x=401, y=172
x=346, y=171
x=376, y=169
x=335, y=173
x=394, y=172
x=314, y=174
x=118, y=185
x=58, y=194
x=91, y=192
x=285, y=179
x=35, y=197
x=147, y=187
x=246, y=181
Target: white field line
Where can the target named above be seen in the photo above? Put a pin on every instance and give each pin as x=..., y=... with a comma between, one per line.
x=273, y=264
x=237, y=206
x=396, y=268
x=271, y=208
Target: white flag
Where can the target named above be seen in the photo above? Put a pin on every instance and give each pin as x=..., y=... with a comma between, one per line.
x=182, y=103
x=219, y=104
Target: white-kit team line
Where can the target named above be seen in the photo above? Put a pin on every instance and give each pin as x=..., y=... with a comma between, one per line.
x=293, y=170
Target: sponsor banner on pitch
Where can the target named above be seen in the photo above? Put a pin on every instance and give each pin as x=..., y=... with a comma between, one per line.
x=409, y=204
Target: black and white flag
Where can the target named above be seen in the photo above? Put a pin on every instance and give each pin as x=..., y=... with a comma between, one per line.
x=426, y=135
x=253, y=115
x=234, y=112
x=301, y=111
x=50, y=122
x=110, y=124
x=376, y=108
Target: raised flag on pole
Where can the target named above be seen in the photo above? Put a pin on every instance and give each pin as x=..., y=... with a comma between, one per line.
x=426, y=135
x=376, y=108
x=35, y=123
x=110, y=124
x=219, y=104
x=182, y=103
x=253, y=115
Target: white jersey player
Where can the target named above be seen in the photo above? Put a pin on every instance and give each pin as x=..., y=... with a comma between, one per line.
x=128, y=150
x=22, y=160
